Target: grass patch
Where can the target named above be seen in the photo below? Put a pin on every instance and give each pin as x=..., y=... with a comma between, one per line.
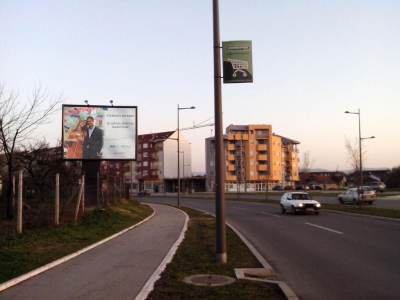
x=196, y=255
x=365, y=210
x=22, y=253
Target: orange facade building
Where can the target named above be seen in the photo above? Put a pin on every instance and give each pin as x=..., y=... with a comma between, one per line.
x=255, y=159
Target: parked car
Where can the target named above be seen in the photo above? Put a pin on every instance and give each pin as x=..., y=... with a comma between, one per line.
x=316, y=187
x=277, y=188
x=367, y=195
x=377, y=186
x=144, y=193
x=302, y=188
x=299, y=202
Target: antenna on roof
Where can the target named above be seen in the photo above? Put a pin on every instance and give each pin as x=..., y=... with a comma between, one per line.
x=87, y=102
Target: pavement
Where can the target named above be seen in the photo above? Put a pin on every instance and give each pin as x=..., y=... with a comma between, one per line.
x=117, y=269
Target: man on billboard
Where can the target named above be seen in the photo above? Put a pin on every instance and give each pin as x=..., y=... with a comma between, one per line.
x=93, y=140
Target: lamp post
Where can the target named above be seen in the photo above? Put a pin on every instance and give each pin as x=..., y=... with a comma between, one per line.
x=360, y=139
x=219, y=143
x=178, y=152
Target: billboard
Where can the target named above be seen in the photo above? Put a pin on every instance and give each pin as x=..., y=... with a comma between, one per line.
x=237, y=61
x=99, y=132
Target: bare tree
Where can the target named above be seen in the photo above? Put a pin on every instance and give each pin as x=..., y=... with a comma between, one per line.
x=18, y=120
x=353, y=152
x=307, y=162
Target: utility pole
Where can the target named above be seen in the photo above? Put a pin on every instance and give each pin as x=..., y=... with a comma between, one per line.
x=221, y=255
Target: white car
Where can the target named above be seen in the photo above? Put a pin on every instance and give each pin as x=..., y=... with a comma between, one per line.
x=299, y=201
x=367, y=194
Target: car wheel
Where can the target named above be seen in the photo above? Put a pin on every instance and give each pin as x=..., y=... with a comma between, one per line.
x=370, y=202
x=317, y=212
x=283, y=210
x=293, y=210
x=341, y=200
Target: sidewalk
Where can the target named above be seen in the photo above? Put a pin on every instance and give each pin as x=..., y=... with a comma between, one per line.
x=117, y=269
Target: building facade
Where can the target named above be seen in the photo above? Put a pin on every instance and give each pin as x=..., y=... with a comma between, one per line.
x=255, y=159
x=157, y=161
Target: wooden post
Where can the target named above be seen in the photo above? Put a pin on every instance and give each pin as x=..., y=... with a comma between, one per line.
x=83, y=194
x=78, y=202
x=19, y=203
x=13, y=192
x=98, y=189
x=57, y=201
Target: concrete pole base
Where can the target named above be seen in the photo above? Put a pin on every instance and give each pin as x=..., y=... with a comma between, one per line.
x=222, y=258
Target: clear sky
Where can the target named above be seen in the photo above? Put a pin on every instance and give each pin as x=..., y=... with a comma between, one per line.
x=312, y=60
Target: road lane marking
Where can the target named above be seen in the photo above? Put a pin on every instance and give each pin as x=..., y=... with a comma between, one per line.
x=236, y=207
x=270, y=214
x=324, y=228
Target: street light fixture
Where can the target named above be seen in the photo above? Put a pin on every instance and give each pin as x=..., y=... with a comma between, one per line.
x=178, y=152
x=360, y=139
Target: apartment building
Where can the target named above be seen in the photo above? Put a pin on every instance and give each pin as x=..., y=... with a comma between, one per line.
x=157, y=161
x=255, y=159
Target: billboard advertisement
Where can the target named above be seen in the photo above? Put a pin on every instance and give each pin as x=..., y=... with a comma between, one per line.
x=99, y=132
x=237, y=58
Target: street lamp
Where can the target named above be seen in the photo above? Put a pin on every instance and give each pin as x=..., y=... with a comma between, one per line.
x=179, y=173
x=360, y=139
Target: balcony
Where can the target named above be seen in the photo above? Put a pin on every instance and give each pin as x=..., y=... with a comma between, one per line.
x=231, y=168
x=230, y=178
x=238, y=136
x=245, y=137
x=231, y=137
x=262, y=157
x=231, y=157
x=231, y=147
x=262, y=147
x=262, y=167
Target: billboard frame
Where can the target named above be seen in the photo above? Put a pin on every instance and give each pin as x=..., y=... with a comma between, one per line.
x=99, y=159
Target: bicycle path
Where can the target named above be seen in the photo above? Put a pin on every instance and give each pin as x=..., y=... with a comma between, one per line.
x=117, y=269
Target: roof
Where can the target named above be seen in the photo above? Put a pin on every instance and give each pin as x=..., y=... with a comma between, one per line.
x=158, y=136
x=286, y=140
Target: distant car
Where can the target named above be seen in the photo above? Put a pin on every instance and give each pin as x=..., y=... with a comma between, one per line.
x=377, y=186
x=302, y=188
x=144, y=193
x=367, y=195
x=299, y=202
x=277, y=188
x=316, y=187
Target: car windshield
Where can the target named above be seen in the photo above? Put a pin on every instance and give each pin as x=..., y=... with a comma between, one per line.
x=300, y=197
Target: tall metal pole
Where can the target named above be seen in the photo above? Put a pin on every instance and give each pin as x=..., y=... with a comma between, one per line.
x=179, y=171
x=360, y=146
x=219, y=144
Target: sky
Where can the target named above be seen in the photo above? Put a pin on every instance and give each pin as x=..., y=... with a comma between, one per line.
x=312, y=60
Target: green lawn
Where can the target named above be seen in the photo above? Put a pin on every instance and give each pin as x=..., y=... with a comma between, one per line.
x=22, y=253
x=196, y=255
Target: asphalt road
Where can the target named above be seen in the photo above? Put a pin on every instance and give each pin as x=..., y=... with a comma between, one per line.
x=389, y=202
x=329, y=256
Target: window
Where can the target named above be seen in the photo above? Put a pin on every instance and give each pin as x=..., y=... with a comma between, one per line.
x=145, y=163
x=145, y=146
x=145, y=154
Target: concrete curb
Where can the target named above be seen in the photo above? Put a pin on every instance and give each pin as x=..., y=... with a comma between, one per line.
x=149, y=285
x=289, y=293
x=64, y=259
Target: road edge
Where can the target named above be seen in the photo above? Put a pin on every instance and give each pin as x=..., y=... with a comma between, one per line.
x=149, y=285
x=285, y=288
x=12, y=282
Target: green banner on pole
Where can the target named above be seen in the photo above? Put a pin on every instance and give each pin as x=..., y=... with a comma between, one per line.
x=238, y=65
